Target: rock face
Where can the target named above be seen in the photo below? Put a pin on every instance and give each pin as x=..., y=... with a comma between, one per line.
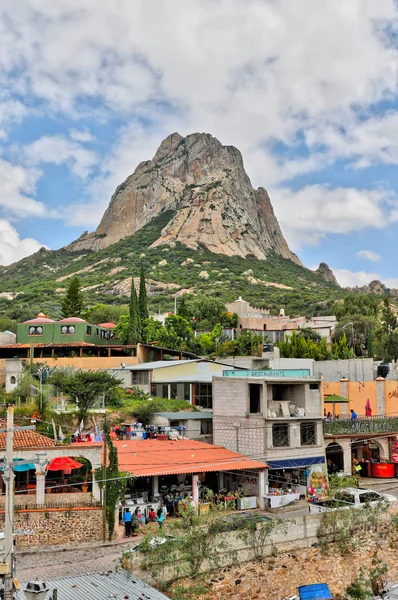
x=215, y=205
x=327, y=274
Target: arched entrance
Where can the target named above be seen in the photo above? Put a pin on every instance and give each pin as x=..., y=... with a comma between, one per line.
x=366, y=450
x=334, y=458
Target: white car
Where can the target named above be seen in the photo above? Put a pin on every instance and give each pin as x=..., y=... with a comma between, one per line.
x=351, y=498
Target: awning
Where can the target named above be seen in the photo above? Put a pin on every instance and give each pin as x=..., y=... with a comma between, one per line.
x=334, y=398
x=294, y=463
x=63, y=463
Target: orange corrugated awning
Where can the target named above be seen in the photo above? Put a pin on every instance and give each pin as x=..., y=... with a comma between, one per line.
x=145, y=458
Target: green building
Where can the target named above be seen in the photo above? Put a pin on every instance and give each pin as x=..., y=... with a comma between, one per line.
x=42, y=330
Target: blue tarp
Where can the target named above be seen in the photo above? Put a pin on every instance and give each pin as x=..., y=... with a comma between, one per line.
x=315, y=591
x=294, y=463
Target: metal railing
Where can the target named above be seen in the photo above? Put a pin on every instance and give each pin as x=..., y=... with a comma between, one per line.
x=374, y=424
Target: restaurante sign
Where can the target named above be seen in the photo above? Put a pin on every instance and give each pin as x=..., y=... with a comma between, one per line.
x=280, y=373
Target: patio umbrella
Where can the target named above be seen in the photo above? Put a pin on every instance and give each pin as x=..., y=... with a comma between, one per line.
x=20, y=468
x=368, y=408
x=335, y=399
x=63, y=463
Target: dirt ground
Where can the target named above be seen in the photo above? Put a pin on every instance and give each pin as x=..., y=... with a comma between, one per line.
x=278, y=577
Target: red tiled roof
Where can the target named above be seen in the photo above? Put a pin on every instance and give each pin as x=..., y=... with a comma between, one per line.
x=72, y=320
x=25, y=439
x=144, y=458
x=107, y=325
x=38, y=321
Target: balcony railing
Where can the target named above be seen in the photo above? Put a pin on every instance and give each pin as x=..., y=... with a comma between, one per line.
x=362, y=425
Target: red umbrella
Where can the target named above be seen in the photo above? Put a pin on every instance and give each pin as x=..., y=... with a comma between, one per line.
x=368, y=409
x=63, y=463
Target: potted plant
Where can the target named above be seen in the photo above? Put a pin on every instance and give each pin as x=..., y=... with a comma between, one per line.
x=205, y=504
x=84, y=486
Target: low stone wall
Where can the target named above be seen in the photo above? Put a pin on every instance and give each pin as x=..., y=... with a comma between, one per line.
x=52, y=500
x=56, y=527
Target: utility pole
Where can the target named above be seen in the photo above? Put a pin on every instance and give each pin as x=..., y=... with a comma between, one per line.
x=9, y=477
x=105, y=528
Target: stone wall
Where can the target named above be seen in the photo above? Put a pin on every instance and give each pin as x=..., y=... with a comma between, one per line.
x=81, y=499
x=56, y=527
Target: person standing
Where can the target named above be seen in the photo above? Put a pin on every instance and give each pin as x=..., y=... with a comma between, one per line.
x=127, y=519
x=160, y=517
x=164, y=512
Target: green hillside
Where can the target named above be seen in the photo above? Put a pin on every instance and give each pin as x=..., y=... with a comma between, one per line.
x=37, y=278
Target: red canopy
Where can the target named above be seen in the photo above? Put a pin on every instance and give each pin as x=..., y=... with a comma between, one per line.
x=63, y=463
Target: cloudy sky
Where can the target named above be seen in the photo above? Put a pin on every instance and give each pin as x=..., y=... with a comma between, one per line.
x=307, y=90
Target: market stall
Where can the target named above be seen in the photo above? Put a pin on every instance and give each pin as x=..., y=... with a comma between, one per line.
x=279, y=498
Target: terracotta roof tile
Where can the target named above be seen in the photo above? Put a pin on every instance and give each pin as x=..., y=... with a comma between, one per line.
x=144, y=458
x=26, y=439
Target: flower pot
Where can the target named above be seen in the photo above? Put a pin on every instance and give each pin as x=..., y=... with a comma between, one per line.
x=85, y=488
x=204, y=507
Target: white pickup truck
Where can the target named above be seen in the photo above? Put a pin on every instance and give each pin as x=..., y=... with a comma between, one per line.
x=351, y=498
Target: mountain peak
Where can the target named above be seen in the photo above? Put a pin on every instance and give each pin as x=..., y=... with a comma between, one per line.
x=213, y=201
x=326, y=273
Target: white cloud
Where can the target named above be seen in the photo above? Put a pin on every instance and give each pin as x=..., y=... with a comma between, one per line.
x=81, y=136
x=235, y=68
x=308, y=215
x=18, y=185
x=347, y=278
x=12, y=247
x=368, y=255
x=251, y=72
x=58, y=150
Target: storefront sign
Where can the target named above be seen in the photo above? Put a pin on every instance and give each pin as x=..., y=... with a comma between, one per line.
x=24, y=532
x=277, y=373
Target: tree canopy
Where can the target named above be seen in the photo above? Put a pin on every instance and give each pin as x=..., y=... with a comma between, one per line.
x=84, y=387
x=72, y=305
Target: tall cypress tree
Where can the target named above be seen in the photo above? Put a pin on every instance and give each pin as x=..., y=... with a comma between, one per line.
x=134, y=335
x=72, y=305
x=142, y=299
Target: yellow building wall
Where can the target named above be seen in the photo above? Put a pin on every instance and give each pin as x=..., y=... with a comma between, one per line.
x=391, y=399
x=185, y=369
x=175, y=372
x=94, y=363
x=358, y=394
x=329, y=388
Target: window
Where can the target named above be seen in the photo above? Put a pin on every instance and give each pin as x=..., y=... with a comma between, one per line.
x=369, y=497
x=35, y=330
x=345, y=497
x=140, y=377
x=204, y=395
x=187, y=391
x=308, y=434
x=173, y=390
x=314, y=386
x=68, y=329
x=13, y=379
x=255, y=397
x=89, y=329
x=280, y=435
x=206, y=427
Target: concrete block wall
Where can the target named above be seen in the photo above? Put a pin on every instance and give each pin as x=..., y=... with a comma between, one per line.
x=355, y=369
x=230, y=396
x=246, y=436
